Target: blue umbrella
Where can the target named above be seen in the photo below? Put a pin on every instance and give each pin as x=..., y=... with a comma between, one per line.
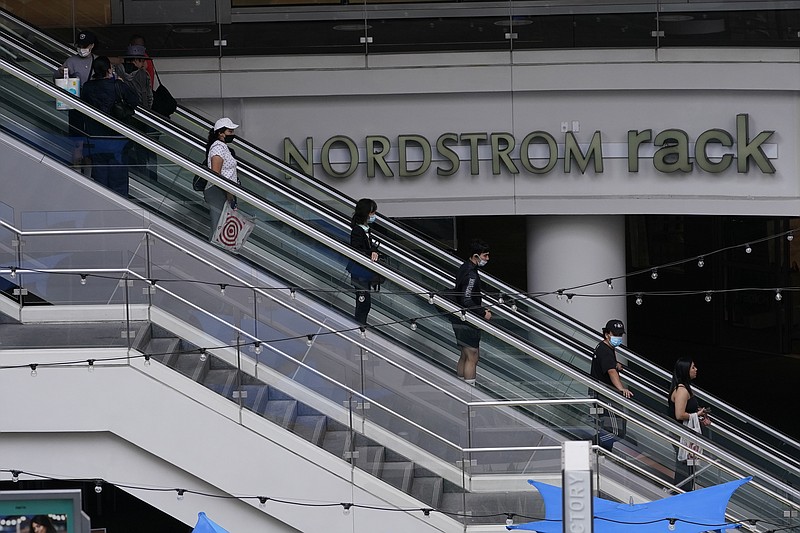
x=206, y=525
x=693, y=512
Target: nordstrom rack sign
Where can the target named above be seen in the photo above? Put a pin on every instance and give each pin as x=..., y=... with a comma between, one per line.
x=539, y=152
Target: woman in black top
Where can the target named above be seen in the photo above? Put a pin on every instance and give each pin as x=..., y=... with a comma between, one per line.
x=106, y=144
x=682, y=404
x=361, y=239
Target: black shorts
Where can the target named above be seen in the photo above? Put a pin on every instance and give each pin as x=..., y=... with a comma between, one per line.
x=467, y=335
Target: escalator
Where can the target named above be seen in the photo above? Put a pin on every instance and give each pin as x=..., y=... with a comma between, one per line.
x=530, y=352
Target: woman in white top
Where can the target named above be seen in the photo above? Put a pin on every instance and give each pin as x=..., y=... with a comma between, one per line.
x=219, y=158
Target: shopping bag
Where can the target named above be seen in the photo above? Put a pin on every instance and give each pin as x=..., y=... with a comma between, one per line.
x=692, y=457
x=233, y=229
x=72, y=86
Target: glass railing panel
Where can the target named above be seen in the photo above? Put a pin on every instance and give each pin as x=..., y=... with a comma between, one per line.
x=512, y=439
x=88, y=268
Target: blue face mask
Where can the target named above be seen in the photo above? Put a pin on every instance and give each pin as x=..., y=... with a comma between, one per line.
x=615, y=341
x=371, y=219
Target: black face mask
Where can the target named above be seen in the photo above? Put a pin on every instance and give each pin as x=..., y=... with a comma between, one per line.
x=229, y=138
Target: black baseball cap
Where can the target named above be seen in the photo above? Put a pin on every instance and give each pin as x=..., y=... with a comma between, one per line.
x=85, y=38
x=615, y=327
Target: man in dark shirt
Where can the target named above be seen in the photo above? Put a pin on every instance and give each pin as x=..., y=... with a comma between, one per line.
x=468, y=296
x=605, y=367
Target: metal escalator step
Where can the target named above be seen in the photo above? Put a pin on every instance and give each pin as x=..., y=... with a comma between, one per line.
x=399, y=474
x=310, y=427
x=428, y=490
x=282, y=412
x=337, y=442
x=370, y=459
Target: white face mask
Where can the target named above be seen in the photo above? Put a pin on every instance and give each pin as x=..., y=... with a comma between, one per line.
x=84, y=52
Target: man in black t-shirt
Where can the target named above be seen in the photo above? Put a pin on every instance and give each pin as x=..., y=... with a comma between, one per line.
x=605, y=367
x=468, y=296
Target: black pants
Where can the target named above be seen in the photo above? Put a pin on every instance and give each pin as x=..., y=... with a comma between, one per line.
x=683, y=471
x=363, y=300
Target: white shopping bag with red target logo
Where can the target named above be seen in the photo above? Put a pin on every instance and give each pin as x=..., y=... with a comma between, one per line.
x=233, y=229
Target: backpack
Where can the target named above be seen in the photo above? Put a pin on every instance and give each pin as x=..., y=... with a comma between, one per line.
x=198, y=183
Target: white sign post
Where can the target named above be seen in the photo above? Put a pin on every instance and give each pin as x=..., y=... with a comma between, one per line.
x=576, y=478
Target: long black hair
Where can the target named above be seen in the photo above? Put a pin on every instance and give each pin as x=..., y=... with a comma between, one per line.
x=43, y=520
x=213, y=136
x=100, y=67
x=680, y=376
x=364, y=207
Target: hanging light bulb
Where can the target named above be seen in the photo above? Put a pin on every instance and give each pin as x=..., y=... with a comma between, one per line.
x=654, y=273
x=98, y=486
x=778, y=295
x=292, y=294
x=13, y=272
x=180, y=493
x=83, y=279
x=610, y=285
x=309, y=340
x=463, y=316
x=430, y=298
x=33, y=366
x=257, y=347
x=701, y=262
x=509, y=519
x=748, y=249
x=639, y=299
x=708, y=296
x=559, y=294
x=15, y=475
x=363, y=332
x=500, y=299
x=671, y=525
x=222, y=288
x=426, y=512
x=91, y=365
x=346, y=508
x=262, y=501
x=146, y=359
x=790, y=237
x=569, y=298
x=513, y=305
x=203, y=355
x=414, y=325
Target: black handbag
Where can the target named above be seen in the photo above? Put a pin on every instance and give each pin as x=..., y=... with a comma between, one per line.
x=121, y=110
x=163, y=101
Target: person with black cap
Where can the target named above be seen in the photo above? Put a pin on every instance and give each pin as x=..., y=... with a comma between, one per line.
x=605, y=367
x=79, y=66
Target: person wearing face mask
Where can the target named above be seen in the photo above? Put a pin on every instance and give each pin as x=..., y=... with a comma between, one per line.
x=363, y=279
x=468, y=296
x=605, y=367
x=79, y=66
x=220, y=159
